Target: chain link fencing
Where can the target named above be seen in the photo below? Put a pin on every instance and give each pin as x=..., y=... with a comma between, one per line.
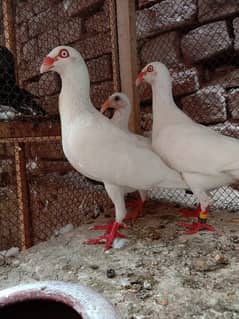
x=199, y=42
x=39, y=190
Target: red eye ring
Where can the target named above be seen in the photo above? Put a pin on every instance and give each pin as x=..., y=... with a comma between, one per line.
x=150, y=68
x=63, y=53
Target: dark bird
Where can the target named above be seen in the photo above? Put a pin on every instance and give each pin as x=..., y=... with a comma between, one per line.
x=10, y=94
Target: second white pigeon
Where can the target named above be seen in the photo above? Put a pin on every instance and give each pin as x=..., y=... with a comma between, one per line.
x=205, y=158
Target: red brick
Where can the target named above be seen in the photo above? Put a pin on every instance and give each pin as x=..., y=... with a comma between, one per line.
x=209, y=10
x=97, y=23
x=236, y=32
x=47, y=20
x=106, y=9
x=70, y=31
x=42, y=5
x=24, y=11
x=50, y=104
x=30, y=69
x=185, y=80
x=228, y=128
x=100, y=69
x=164, y=48
x=94, y=46
x=146, y=23
x=207, y=106
x=100, y=92
x=47, y=41
x=22, y=33
x=165, y=16
x=32, y=87
x=30, y=49
x=206, y=42
x=38, y=24
x=49, y=84
x=233, y=103
x=83, y=7
x=226, y=77
x=145, y=3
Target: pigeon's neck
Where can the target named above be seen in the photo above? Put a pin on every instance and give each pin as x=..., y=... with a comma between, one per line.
x=75, y=95
x=121, y=119
x=165, y=111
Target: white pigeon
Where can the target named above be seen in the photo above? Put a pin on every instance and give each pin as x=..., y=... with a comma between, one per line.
x=97, y=148
x=205, y=158
x=122, y=109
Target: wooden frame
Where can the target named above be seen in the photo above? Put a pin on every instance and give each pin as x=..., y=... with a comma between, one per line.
x=126, y=24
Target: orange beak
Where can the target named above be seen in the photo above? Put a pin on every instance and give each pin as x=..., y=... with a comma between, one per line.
x=105, y=106
x=140, y=78
x=47, y=64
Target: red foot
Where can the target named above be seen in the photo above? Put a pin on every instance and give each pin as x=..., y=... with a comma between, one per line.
x=196, y=227
x=110, y=234
x=190, y=213
x=134, y=203
x=136, y=210
x=106, y=227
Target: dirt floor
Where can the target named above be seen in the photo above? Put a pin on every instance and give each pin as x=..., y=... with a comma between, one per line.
x=158, y=273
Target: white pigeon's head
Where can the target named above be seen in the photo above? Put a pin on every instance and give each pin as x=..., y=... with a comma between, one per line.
x=152, y=72
x=117, y=101
x=60, y=58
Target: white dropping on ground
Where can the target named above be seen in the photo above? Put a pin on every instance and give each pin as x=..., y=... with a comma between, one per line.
x=10, y=253
x=65, y=229
x=97, y=148
x=205, y=158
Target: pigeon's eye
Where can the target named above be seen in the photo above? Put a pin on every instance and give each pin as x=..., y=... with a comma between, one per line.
x=63, y=53
x=150, y=68
x=117, y=98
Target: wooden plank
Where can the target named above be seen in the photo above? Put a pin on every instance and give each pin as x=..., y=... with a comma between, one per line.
x=114, y=45
x=128, y=56
x=22, y=195
x=29, y=128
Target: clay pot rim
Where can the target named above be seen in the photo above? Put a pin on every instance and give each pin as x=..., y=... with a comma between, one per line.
x=71, y=294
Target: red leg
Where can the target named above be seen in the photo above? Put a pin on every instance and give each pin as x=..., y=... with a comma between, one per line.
x=190, y=213
x=200, y=225
x=133, y=203
x=110, y=234
x=106, y=227
x=196, y=227
x=136, y=210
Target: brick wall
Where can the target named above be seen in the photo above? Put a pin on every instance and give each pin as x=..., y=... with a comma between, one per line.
x=199, y=42
x=58, y=195
x=41, y=25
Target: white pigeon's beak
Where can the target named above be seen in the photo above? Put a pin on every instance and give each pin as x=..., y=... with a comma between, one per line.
x=140, y=78
x=47, y=65
x=105, y=106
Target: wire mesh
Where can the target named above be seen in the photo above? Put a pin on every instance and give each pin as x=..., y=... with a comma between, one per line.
x=46, y=193
x=10, y=234
x=58, y=194
x=199, y=42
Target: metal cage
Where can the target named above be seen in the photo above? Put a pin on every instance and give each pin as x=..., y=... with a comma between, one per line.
x=198, y=40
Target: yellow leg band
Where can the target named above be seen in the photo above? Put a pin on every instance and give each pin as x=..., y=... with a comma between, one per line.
x=203, y=215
